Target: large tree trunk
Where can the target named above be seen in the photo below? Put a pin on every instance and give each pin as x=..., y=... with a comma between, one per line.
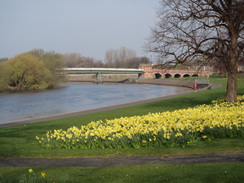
x=231, y=91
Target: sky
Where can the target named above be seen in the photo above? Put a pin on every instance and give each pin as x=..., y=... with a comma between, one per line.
x=87, y=27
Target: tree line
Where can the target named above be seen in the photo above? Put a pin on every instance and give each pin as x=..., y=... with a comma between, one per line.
x=114, y=58
x=37, y=69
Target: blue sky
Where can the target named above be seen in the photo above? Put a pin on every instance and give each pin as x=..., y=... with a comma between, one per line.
x=87, y=27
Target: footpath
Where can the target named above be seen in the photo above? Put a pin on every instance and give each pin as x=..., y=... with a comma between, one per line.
x=123, y=161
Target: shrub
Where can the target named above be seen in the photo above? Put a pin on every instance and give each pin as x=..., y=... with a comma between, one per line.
x=26, y=72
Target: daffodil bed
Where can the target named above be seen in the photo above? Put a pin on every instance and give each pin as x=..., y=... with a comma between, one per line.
x=177, y=128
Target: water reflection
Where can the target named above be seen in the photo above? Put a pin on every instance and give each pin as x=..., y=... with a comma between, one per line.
x=72, y=97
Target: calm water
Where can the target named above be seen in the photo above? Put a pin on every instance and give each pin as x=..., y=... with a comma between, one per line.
x=72, y=97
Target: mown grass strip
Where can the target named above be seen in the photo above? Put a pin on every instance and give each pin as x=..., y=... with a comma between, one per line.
x=133, y=174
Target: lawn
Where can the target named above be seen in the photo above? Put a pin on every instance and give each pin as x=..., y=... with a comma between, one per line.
x=197, y=173
x=19, y=141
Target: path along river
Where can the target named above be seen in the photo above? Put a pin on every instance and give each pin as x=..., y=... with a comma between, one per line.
x=71, y=97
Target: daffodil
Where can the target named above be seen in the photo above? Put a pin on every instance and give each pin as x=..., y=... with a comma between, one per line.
x=221, y=119
x=43, y=174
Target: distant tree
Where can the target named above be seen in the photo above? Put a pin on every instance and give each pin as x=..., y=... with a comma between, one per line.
x=119, y=57
x=137, y=61
x=52, y=61
x=76, y=60
x=188, y=29
x=2, y=60
x=99, y=64
x=111, y=58
x=71, y=60
x=24, y=72
x=3, y=78
x=86, y=62
x=3, y=83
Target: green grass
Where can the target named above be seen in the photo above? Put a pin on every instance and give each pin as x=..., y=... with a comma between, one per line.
x=136, y=174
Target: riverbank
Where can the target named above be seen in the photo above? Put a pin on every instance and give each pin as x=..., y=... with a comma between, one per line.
x=167, y=82
x=187, y=90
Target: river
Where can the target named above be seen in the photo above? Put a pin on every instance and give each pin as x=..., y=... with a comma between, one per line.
x=70, y=97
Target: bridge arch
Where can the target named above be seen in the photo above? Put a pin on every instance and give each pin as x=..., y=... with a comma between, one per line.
x=177, y=76
x=157, y=75
x=168, y=75
x=140, y=75
x=195, y=75
x=186, y=75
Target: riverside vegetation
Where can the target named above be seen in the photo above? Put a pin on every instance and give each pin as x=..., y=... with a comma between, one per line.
x=34, y=70
x=20, y=141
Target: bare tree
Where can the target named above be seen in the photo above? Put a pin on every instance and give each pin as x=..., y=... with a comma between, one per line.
x=137, y=61
x=110, y=57
x=188, y=29
x=76, y=60
x=71, y=59
x=119, y=57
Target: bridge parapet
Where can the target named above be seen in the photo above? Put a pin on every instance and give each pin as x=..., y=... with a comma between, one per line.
x=102, y=70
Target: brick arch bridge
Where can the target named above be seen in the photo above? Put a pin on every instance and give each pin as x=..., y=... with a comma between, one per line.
x=150, y=72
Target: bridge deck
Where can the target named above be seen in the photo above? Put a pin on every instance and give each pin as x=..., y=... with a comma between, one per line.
x=101, y=70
